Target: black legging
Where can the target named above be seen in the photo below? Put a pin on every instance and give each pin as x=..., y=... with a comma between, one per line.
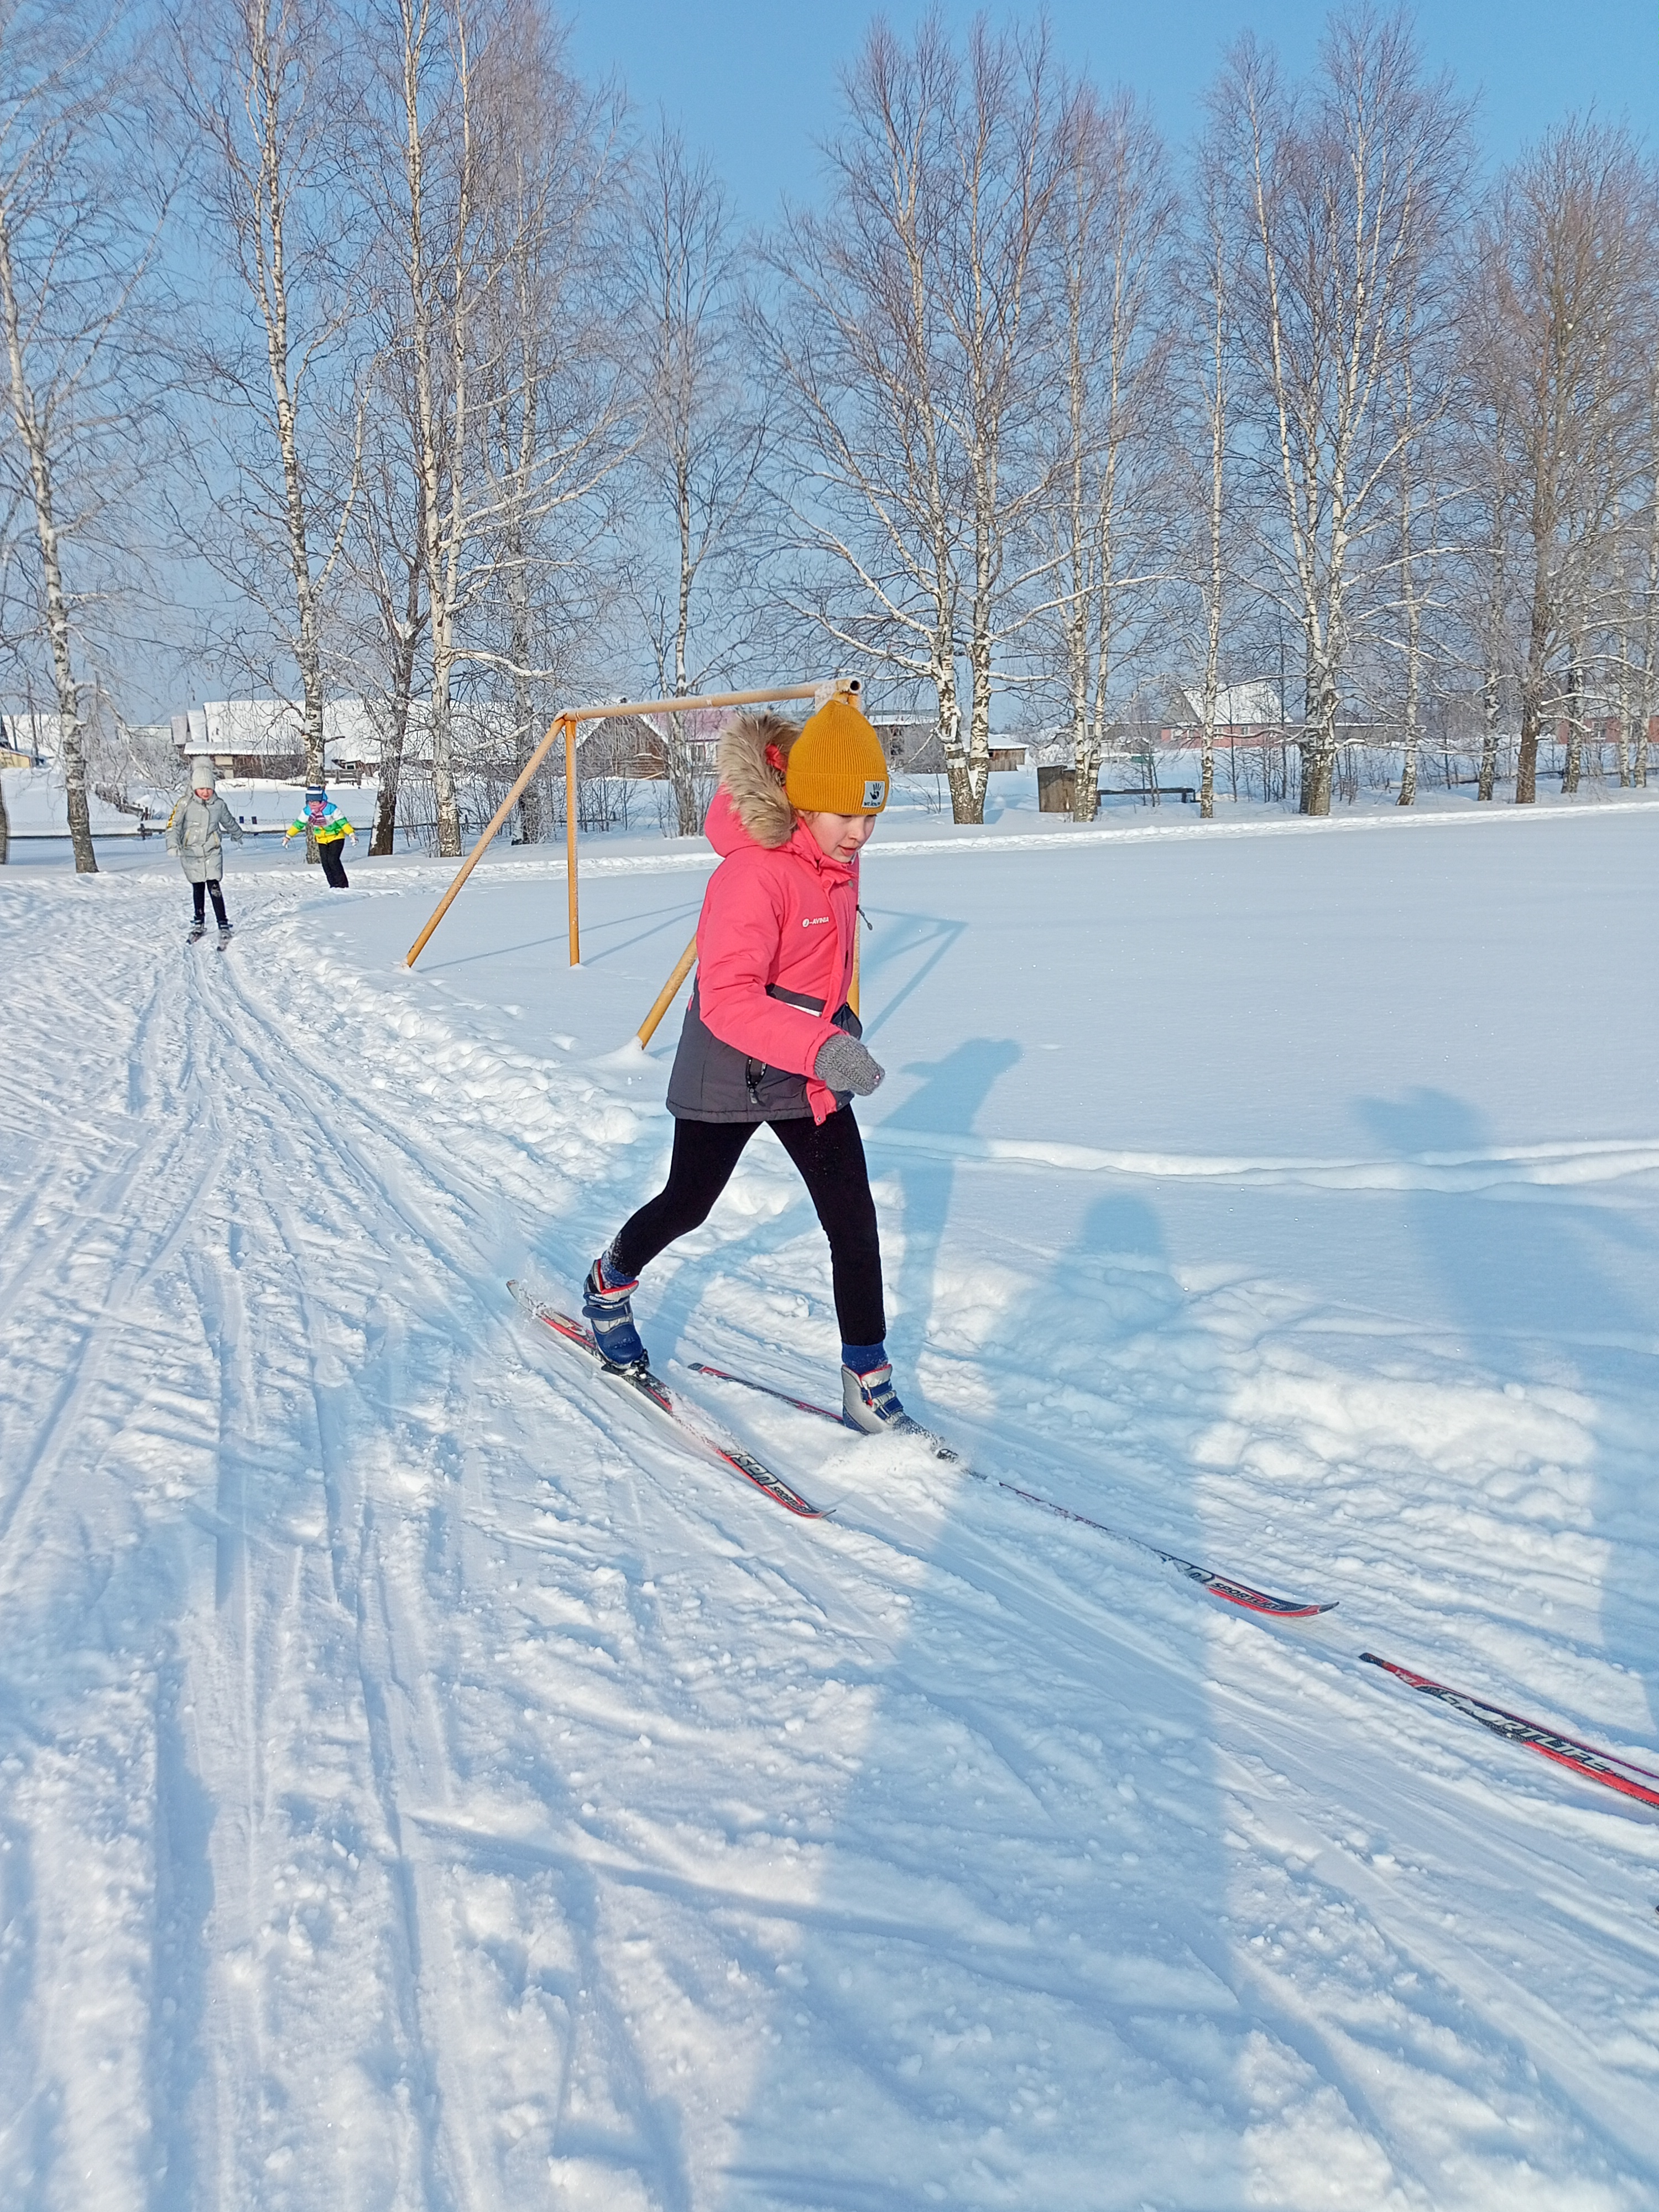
x=201, y=893
x=830, y=1158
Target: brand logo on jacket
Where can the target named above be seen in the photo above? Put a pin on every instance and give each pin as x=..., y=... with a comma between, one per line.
x=816, y=922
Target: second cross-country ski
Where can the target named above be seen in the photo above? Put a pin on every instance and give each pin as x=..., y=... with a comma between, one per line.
x=1606, y=1767
x=1223, y=1586
x=649, y=1390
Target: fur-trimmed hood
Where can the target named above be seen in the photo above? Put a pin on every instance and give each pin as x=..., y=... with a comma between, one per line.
x=753, y=786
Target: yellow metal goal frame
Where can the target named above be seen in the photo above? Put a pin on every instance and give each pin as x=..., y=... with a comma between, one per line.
x=565, y=724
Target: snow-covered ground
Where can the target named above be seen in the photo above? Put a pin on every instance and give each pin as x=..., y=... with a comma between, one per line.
x=425, y=1784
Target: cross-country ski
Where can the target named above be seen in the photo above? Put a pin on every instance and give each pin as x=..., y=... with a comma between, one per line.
x=1222, y=1586
x=644, y=1388
x=1607, y=1767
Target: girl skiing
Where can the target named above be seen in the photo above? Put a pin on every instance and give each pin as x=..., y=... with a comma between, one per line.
x=331, y=828
x=768, y=1035
x=196, y=832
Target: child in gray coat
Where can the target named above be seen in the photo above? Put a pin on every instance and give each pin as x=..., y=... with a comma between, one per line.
x=196, y=833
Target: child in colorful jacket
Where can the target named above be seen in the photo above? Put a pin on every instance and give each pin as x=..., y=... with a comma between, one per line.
x=770, y=1035
x=196, y=830
x=331, y=828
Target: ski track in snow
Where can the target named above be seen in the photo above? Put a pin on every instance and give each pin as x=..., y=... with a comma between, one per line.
x=428, y=1785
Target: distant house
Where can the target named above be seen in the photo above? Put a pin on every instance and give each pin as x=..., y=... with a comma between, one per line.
x=28, y=740
x=1250, y=710
x=914, y=747
x=259, y=740
x=635, y=747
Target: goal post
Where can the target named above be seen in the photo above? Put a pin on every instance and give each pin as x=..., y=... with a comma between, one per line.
x=564, y=724
x=665, y=997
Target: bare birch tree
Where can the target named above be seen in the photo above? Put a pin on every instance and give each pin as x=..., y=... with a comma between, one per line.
x=1566, y=261
x=1011, y=158
x=73, y=245
x=387, y=550
x=1647, y=606
x=1411, y=475
x=1112, y=225
x=703, y=429
x=1208, y=292
x=491, y=133
x=1346, y=198
x=910, y=350
x=553, y=398
x=1494, y=496
x=434, y=224
x=266, y=87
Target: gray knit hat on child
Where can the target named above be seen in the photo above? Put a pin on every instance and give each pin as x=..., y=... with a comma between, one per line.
x=203, y=776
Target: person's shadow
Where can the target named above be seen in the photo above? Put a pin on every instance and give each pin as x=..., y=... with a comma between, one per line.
x=946, y=1104
x=1529, y=1278
x=971, y=1912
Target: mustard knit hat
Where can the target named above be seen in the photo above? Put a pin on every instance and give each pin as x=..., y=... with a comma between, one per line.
x=836, y=765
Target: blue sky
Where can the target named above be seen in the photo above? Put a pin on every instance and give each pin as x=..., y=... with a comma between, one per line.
x=756, y=85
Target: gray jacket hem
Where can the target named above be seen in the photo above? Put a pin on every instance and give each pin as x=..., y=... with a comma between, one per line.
x=713, y=1081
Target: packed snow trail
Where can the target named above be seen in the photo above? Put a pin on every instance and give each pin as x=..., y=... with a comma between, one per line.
x=426, y=1789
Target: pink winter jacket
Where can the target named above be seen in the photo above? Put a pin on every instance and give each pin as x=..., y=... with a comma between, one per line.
x=778, y=911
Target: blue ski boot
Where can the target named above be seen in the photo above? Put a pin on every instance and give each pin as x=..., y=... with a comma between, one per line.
x=870, y=1402
x=608, y=1306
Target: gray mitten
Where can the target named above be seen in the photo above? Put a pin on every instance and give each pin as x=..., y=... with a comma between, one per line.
x=844, y=1065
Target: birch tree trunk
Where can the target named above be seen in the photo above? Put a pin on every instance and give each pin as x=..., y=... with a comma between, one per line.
x=34, y=437
x=522, y=651
x=1409, y=596
x=307, y=639
x=1412, y=733
x=1649, y=690
x=1534, y=680
x=1216, y=410
x=1208, y=291
x=1488, y=772
x=1574, y=762
x=1494, y=611
x=270, y=190
x=401, y=692
x=438, y=461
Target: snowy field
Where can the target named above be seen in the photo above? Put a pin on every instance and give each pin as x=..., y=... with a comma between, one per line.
x=428, y=1785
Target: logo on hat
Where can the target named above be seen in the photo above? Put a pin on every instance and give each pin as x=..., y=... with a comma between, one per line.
x=875, y=793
